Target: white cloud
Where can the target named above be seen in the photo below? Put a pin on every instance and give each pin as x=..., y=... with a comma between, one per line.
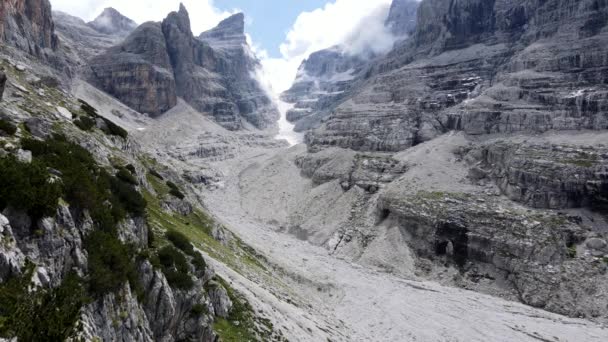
x=338, y=22
x=203, y=14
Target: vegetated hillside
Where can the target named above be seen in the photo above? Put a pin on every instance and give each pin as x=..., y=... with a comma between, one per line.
x=99, y=241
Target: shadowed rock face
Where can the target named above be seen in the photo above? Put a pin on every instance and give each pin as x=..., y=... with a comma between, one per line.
x=482, y=67
x=2, y=83
x=214, y=75
x=28, y=26
x=138, y=72
x=402, y=17
x=111, y=22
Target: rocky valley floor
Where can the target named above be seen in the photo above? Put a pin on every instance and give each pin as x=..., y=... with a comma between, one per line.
x=312, y=290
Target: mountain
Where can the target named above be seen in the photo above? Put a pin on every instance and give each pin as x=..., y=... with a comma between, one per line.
x=482, y=67
x=326, y=76
x=213, y=74
x=112, y=22
x=83, y=41
x=497, y=110
x=460, y=176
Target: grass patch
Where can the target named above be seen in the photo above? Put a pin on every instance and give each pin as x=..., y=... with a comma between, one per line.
x=85, y=123
x=241, y=323
x=174, y=190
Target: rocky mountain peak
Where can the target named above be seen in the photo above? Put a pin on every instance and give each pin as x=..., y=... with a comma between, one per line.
x=181, y=19
x=110, y=21
x=231, y=29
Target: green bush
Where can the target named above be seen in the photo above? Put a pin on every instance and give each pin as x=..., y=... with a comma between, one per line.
x=86, y=186
x=175, y=267
x=198, y=310
x=85, y=123
x=114, y=129
x=7, y=127
x=87, y=108
x=180, y=241
x=27, y=187
x=125, y=175
x=156, y=174
x=41, y=315
x=111, y=263
x=174, y=190
x=130, y=198
x=131, y=169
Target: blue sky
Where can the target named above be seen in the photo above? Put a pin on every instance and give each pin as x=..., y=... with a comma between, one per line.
x=268, y=21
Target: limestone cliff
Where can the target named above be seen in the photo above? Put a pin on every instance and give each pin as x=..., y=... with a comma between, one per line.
x=215, y=73
x=482, y=67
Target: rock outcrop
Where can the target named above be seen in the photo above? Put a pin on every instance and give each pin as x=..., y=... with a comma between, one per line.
x=28, y=25
x=482, y=67
x=2, y=84
x=216, y=75
x=112, y=22
x=545, y=176
x=138, y=72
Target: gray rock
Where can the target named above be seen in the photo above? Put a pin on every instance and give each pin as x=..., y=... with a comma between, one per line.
x=28, y=26
x=138, y=71
x=473, y=65
x=2, y=83
x=112, y=22
x=24, y=156
x=220, y=300
x=548, y=176
x=597, y=244
x=402, y=17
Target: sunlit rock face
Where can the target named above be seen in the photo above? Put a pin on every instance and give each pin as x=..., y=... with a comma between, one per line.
x=482, y=67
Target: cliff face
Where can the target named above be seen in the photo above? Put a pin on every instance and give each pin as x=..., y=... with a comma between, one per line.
x=482, y=67
x=326, y=77
x=28, y=26
x=215, y=73
x=138, y=72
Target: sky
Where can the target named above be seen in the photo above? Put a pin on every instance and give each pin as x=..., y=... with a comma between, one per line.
x=282, y=32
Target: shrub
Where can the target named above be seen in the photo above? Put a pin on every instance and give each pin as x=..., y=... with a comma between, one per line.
x=131, y=169
x=7, y=127
x=86, y=186
x=174, y=190
x=110, y=263
x=85, y=123
x=124, y=175
x=156, y=174
x=130, y=198
x=27, y=187
x=42, y=315
x=180, y=241
x=114, y=129
x=87, y=108
x=198, y=309
x=175, y=267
